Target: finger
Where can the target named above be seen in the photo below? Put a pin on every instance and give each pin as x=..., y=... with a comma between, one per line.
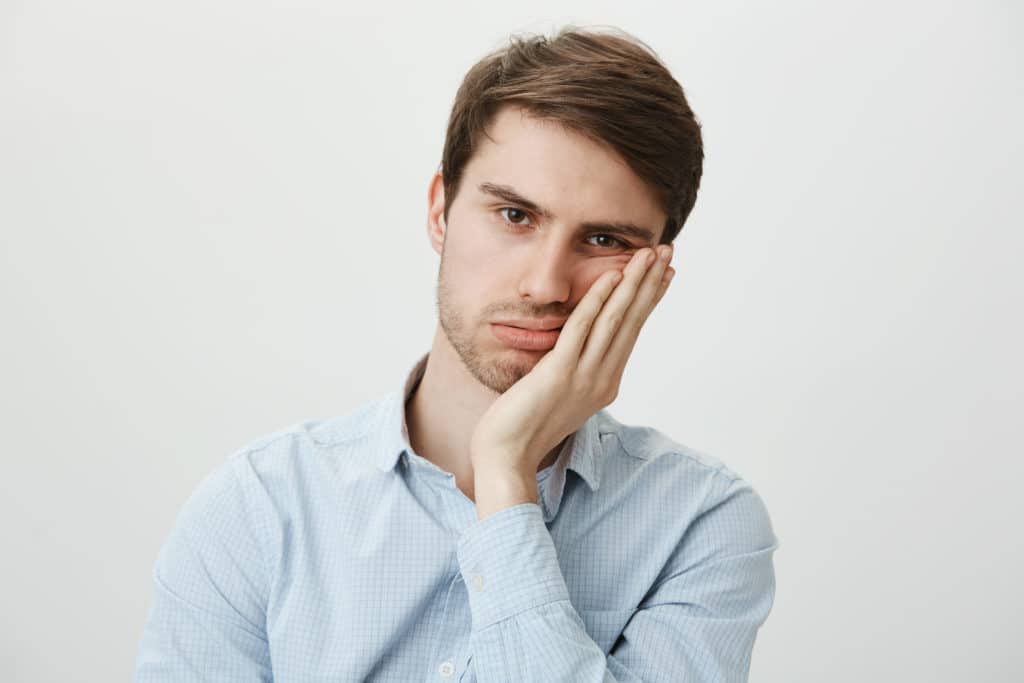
x=614, y=310
x=666, y=280
x=577, y=326
x=647, y=298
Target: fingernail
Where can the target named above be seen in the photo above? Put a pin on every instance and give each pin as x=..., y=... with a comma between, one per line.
x=666, y=253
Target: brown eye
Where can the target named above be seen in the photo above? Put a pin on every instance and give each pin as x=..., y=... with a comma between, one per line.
x=607, y=241
x=516, y=215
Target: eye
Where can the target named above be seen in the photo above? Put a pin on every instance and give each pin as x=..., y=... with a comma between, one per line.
x=518, y=214
x=609, y=242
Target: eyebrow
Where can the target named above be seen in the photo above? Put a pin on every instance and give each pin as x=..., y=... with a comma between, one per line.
x=625, y=228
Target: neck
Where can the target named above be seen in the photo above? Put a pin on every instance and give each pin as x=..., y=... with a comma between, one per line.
x=444, y=411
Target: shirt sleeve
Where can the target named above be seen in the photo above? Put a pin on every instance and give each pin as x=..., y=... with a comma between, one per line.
x=207, y=618
x=697, y=623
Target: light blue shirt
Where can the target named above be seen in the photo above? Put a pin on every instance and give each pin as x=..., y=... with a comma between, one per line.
x=329, y=551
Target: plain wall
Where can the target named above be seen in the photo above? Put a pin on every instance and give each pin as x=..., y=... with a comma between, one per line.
x=212, y=225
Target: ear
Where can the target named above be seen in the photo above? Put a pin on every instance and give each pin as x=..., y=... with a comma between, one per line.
x=436, y=227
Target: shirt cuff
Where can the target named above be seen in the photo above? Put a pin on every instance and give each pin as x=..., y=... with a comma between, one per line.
x=509, y=564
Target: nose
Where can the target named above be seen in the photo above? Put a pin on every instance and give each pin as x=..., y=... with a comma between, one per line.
x=546, y=276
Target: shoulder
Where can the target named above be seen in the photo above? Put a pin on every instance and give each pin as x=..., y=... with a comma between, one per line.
x=227, y=542
x=647, y=447
x=278, y=470
x=300, y=443
x=687, y=481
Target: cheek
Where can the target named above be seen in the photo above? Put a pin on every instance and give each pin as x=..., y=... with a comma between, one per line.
x=476, y=273
x=476, y=264
x=471, y=247
x=589, y=271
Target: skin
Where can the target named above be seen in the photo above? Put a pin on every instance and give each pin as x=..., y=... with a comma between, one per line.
x=492, y=415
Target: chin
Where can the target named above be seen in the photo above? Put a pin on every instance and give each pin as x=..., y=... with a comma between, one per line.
x=507, y=368
x=501, y=369
x=491, y=363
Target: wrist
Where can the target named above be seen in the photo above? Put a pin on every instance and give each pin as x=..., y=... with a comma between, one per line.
x=495, y=489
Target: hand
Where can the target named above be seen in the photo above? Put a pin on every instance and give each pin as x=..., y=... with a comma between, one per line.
x=576, y=378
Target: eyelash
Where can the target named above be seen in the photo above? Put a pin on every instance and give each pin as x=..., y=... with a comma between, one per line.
x=511, y=225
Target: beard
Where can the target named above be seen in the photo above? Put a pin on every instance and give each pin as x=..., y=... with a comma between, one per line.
x=496, y=373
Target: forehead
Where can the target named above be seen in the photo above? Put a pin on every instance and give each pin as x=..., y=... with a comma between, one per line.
x=574, y=177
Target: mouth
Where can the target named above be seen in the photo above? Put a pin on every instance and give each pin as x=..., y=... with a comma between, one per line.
x=524, y=339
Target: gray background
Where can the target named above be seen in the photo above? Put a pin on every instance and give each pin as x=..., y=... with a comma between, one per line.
x=213, y=226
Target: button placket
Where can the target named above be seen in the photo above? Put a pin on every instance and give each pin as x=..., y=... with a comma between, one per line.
x=451, y=649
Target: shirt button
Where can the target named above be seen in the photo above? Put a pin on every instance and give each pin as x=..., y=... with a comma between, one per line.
x=477, y=581
x=446, y=669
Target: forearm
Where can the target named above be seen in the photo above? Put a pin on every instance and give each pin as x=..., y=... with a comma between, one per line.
x=524, y=625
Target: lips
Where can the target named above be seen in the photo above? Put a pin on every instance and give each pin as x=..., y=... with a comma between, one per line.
x=525, y=339
x=543, y=324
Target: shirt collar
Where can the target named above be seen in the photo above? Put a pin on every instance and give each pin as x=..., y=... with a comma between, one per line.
x=581, y=452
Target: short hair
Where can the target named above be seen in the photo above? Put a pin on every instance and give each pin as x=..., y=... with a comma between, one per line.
x=606, y=85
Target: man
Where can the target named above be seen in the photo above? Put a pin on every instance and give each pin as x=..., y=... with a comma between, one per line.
x=491, y=521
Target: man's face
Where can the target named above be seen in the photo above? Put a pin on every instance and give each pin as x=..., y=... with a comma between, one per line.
x=504, y=260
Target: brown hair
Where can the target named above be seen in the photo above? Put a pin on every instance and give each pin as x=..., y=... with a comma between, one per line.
x=608, y=86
